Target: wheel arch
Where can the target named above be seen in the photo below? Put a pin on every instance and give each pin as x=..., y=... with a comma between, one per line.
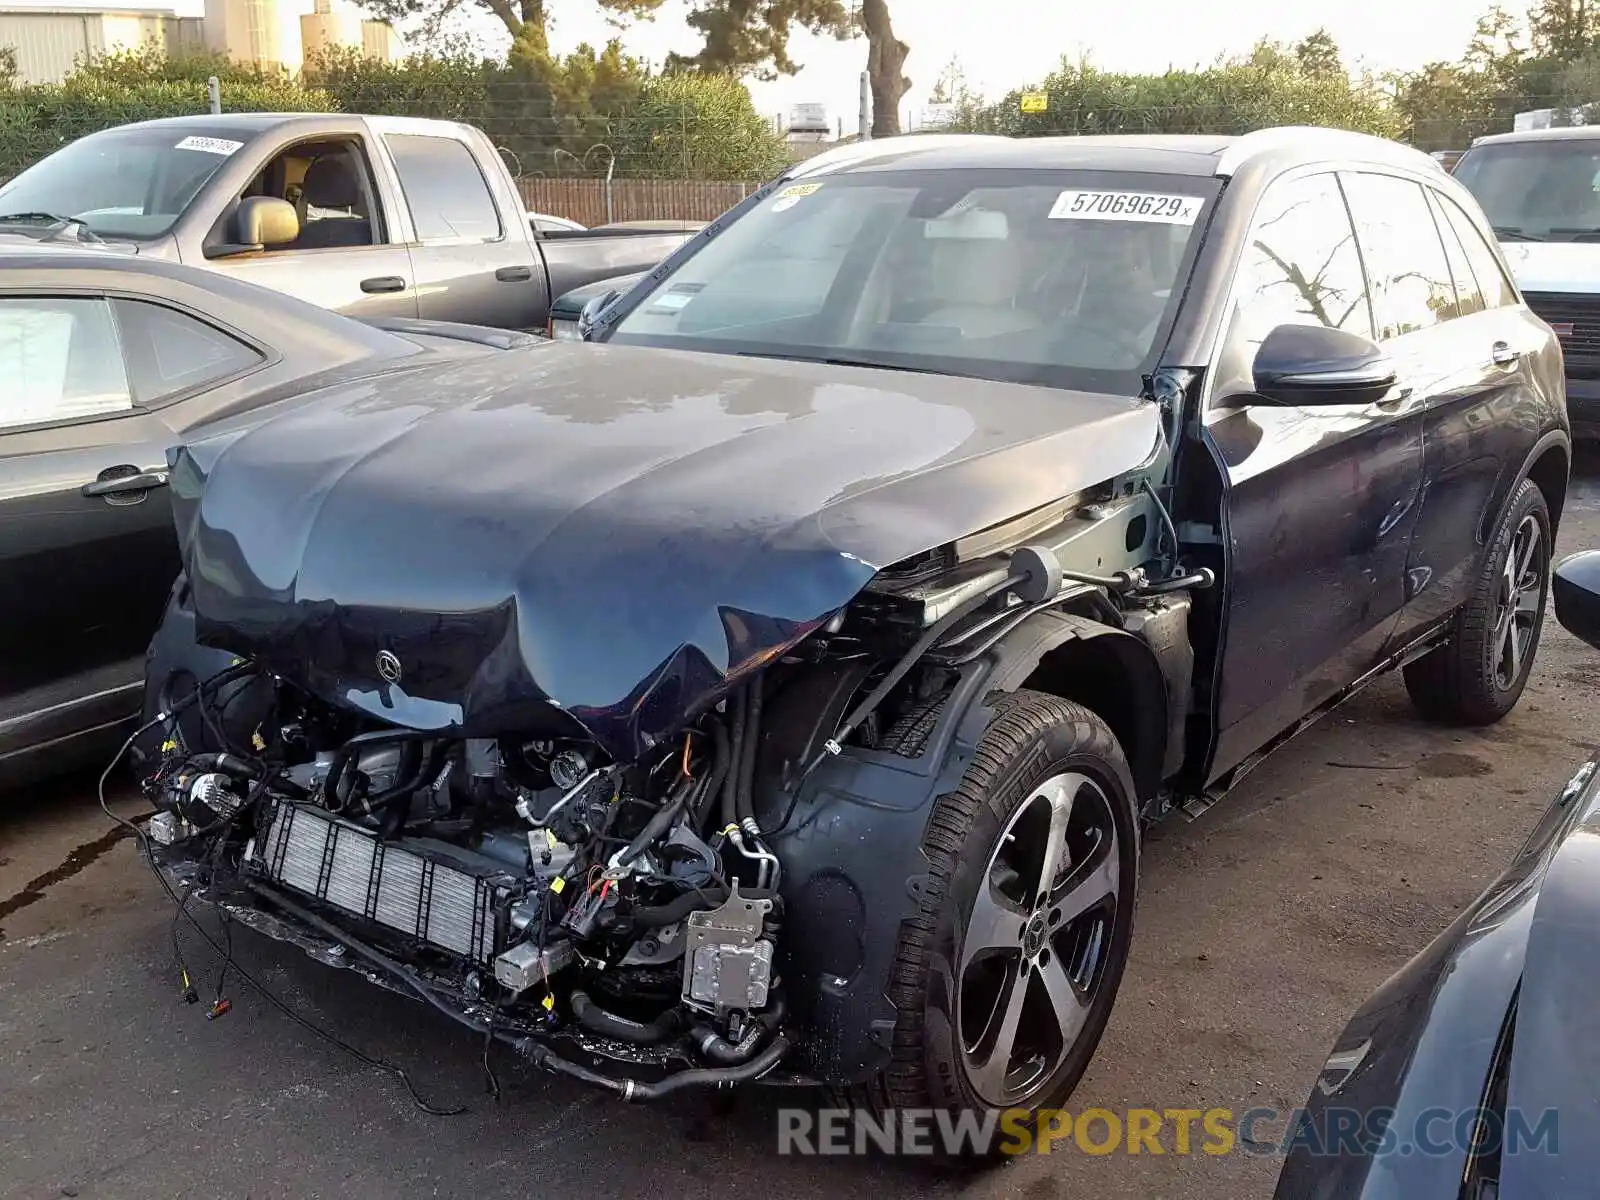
x=1549, y=464
x=1110, y=672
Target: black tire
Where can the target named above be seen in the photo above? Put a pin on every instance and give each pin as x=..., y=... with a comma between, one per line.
x=1032, y=741
x=1469, y=680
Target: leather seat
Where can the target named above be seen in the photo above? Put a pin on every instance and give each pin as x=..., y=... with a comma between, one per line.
x=330, y=183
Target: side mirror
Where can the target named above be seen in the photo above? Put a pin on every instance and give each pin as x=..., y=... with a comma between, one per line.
x=260, y=221
x=267, y=221
x=1576, y=589
x=1312, y=365
x=593, y=309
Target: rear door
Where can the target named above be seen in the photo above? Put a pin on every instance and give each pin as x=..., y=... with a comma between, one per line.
x=471, y=258
x=87, y=550
x=1319, y=501
x=1478, y=425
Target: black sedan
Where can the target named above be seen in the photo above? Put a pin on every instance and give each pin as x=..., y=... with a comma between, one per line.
x=106, y=360
x=1472, y=1072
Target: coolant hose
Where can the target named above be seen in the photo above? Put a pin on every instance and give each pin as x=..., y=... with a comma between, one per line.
x=719, y=1050
x=607, y=1024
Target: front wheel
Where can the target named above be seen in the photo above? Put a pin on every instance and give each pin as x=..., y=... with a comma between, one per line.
x=1479, y=675
x=1005, y=978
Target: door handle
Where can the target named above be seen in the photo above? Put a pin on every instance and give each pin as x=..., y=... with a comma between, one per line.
x=383, y=283
x=514, y=274
x=120, y=485
x=1503, y=355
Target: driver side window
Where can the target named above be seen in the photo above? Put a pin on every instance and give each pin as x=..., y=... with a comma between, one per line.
x=330, y=186
x=1300, y=266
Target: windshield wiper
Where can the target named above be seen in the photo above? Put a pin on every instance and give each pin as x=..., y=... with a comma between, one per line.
x=1576, y=233
x=57, y=225
x=1510, y=234
x=836, y=361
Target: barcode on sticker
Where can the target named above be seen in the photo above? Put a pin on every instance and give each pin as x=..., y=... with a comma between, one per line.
x=209, y=145
x=1156, y=207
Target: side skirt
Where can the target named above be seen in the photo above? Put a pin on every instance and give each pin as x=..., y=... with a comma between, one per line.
x=1194, y=806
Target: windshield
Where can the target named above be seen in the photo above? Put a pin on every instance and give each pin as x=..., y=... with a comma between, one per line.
x=127, y=183
x=1544, y=191
x=1061, y=278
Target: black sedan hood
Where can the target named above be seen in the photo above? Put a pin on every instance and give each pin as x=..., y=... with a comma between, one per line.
x=609, y=530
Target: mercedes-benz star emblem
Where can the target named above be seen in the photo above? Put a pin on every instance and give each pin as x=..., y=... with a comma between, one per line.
x=389, y=669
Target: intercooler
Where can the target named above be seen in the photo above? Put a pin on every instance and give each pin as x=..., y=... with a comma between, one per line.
x=451, y=907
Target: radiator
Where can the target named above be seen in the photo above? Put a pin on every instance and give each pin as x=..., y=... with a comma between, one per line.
x=349, y=868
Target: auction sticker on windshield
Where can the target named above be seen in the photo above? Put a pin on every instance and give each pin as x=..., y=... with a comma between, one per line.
x=790, y=196
x=1156, y=207
x=209, y=145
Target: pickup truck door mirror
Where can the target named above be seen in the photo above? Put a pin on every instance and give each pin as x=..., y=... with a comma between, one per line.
x=1302, y=366
x=261, y=221
x=1577, y=595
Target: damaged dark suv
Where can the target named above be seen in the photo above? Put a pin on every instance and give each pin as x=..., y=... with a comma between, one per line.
x=775, y=686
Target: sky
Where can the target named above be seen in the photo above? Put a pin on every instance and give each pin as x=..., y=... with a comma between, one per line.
x=1016, y=41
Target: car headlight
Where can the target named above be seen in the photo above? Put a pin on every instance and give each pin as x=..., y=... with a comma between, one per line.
x=565, y=331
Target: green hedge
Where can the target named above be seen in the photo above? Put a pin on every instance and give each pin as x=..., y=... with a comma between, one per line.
x=549, y=117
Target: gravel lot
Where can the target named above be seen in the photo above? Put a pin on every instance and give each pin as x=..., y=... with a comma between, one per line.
x=1262, y=926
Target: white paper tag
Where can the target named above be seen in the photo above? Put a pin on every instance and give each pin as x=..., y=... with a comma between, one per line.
x=1151, y=207
x=209, y=145
x=673, y=300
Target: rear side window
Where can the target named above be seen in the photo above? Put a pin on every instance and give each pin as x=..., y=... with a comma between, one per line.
x=61, y=361
x=444, y=188
x=1300, y=266
x=1493, y=281
x=1469, y=299
x=170, y=352
x=1411, y=284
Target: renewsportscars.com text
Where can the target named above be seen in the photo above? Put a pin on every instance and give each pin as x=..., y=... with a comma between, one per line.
x=1182, y=1131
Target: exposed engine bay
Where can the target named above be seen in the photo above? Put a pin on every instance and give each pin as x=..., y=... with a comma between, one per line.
x=624, y=921
x=533, y=887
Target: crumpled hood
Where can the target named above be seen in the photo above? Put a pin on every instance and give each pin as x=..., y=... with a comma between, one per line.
x=611, y=530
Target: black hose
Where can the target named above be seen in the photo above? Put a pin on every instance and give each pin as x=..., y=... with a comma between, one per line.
x=411, y=780
x=703, y=899
x=721, y=762
x=607, y=1024
x=659, y=824
x=730, y=784
x=723, y=1053
x=343, y=755
x=744, y=797
x=711, y=1076
x=901, y=669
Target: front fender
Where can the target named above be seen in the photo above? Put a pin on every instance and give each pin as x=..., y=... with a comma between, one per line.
x=851, y=845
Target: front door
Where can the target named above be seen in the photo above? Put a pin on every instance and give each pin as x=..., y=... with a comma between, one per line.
x=1319, y=502
x=348, y=256
x=87, y=551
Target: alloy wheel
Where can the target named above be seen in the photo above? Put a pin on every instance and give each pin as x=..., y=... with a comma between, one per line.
x=1038, y=940
x=1520, y=602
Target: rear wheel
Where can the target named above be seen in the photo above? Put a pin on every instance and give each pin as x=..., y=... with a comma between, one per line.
x=1479, y=675
x=1005, y=978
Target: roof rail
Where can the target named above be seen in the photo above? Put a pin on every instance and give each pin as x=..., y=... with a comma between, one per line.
x=1262, y=141
x=854, y=152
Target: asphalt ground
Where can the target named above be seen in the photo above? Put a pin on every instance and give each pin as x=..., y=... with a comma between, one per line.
x=1261, y=928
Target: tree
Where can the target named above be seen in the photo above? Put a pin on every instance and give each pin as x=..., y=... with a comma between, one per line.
x=751, y=37
x=1564, y=29
x=886, y=60
x=1318, y=54
x=524, y=20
